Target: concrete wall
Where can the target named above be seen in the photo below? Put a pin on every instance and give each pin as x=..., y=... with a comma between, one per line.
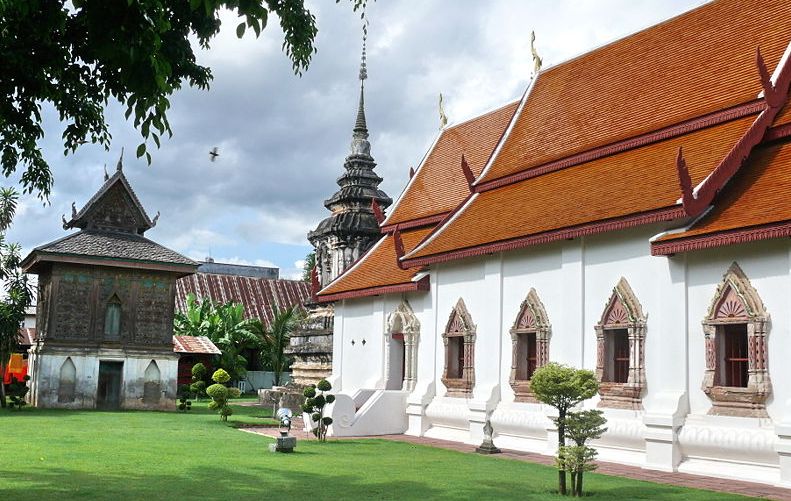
x=46, y=382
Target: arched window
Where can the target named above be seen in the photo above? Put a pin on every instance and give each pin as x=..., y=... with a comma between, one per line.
x=529, y=344
x=620, y=350
x=112, y=319
x=736, y=378
x=459, y=339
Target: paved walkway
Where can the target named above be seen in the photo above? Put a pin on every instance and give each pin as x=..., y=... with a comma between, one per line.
x=633, y=472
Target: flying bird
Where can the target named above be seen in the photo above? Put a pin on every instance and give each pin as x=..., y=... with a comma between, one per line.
x=213, y=154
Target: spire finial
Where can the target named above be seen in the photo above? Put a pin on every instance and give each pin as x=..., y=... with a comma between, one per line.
x=360, y=144
x=120, y=166
x=106, y=176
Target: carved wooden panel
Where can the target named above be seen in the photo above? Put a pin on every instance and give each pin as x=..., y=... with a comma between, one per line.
x=73, y=307
x=154, y=311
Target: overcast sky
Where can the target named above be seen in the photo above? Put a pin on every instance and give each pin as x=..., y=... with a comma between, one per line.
x=282, y=139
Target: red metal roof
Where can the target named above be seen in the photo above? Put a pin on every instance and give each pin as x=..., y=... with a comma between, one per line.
x=258, y=296
x=194, y=345
x=27, y=336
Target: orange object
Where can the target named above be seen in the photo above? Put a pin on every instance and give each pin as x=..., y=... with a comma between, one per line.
x=17, y=367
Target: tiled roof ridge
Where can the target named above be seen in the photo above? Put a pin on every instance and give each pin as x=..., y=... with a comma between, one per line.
x=679, y=129
x=449, y=129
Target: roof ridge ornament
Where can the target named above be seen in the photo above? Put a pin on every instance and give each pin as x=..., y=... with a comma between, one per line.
x=696, y=201
x=120, y=165
x=377, y=210
x=411, y=172
x=154, y=221
x=537, y=61
x=399, y=248
x=468, y=175
x=443, y=118
x=106, y=176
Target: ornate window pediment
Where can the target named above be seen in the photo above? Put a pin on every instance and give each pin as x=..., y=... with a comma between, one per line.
x=404, y=324
x=736, y=377
x=620, y=350
x=529, y=345
x=459, y=340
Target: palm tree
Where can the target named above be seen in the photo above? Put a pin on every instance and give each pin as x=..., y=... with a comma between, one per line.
x=227, y=328
x=276, y=338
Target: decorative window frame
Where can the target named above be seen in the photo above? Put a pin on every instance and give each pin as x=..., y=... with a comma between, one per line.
x=737, y=302
x=623, y=311
x=532, y=318
x=460, y=325
x=403, y=321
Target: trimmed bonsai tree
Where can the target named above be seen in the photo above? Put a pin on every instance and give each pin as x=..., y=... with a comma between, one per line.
x=563, y=387
x=198, y=386
x=578, y=458
x=17, y=391
x=220, y=394
x=316, y=399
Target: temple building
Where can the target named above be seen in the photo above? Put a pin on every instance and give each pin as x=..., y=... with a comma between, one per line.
x=104, y=320
x=628, y=215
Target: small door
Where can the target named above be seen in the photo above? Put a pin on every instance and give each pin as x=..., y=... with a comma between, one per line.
x=108, y=395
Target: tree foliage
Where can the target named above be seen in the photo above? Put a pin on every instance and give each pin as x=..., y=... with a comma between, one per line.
x=227, y=328
x=77, y=55
x=317, y=397
x=581, y=427
x=220, y=394
x=307, y=268
x=17, y=294
x=276, y=338
x=563, y=387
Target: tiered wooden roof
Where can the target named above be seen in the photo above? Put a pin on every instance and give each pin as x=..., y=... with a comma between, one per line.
x=685, y=123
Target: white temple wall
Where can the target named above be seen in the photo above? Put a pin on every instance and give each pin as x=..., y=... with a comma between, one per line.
x=574, y=280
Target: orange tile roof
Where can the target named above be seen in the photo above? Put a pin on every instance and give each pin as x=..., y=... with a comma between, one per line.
x=697, y=63
x=378, y=268
x=439, y=184
x=757, y=196
x=628, y=183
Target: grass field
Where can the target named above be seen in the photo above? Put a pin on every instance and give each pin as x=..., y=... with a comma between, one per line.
x=156, y=455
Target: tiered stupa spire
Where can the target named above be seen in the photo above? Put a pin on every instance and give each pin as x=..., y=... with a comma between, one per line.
x=352, y=227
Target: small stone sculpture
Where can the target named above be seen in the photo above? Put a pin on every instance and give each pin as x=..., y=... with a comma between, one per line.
x=487, y=447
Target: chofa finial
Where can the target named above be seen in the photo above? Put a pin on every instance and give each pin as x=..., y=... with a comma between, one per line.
x=73, y=210
x=536, y=58
x=154, y=221
x=120, y=166
x=443, y=118
x=106, y=176
x=65, y=223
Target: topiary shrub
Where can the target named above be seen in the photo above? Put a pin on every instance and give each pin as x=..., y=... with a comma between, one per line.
x=198, y=386
x=316, y=399
x=220, y=394
x=184, y=394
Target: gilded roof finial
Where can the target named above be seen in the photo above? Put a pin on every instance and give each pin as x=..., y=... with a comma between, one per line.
x=536, y=58
x=120, y=165
x=443, y=118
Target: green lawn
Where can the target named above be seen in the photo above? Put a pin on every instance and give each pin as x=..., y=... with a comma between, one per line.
x=157, y=455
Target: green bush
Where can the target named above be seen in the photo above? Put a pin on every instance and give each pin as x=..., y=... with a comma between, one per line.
x=220, y=376
x=17, y=391
x=310, y=391
x=217, y=392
